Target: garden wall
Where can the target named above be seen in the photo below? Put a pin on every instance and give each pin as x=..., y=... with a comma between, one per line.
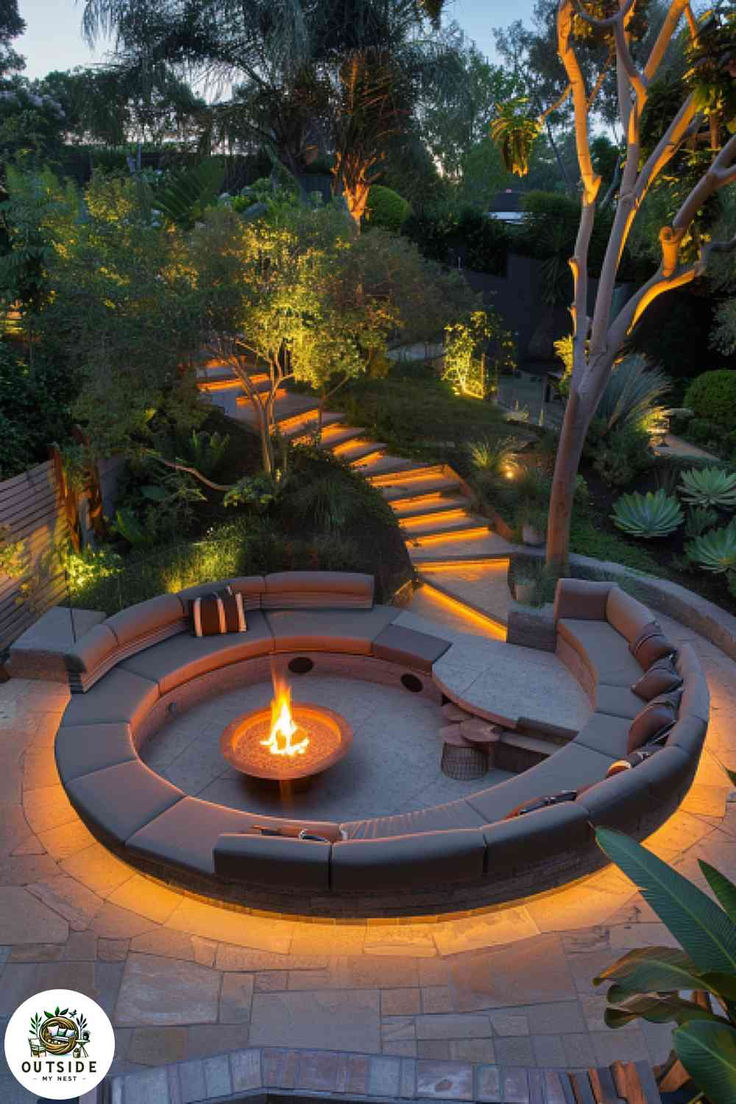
x=31, y=510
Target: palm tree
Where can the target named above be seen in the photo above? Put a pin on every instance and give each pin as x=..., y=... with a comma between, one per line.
x=339, y=77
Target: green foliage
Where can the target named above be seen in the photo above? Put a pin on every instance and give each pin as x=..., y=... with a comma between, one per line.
x=647, y=982
x=699, y=519
x=205, y=451
x=440, y=233
x=185, y=195
x=495, y=456
x=621, y=454
x=709, y=487
x=714, y=551
x=514, y=130
x=712, y=396
x=618, y=439
x=590, y=537
x=386, y=208
x=34, y=408
x=648, y=516
x=469, y=343
x=13, y=554
x=257, y=492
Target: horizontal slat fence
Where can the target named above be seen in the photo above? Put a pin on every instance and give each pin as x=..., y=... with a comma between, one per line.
x=31, y=510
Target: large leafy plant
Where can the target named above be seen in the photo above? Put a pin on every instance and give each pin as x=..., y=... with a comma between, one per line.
x=694, y=987
x=716, y=550
x=709, y=487
x=655, y=514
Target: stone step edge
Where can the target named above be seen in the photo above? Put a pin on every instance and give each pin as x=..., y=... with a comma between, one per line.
x=471, y=608
x=312, y=1073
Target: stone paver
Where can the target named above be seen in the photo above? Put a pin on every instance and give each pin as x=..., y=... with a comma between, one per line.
x=187, y=980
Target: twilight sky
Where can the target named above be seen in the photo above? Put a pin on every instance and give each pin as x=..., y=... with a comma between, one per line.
x=53, y=38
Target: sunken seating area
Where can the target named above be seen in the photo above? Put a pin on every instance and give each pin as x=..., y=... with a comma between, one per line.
x=528, y=833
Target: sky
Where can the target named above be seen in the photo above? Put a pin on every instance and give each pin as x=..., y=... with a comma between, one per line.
x=53, y=38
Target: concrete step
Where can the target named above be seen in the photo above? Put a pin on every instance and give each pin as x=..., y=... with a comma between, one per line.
x=425, y=490
x=427, y=504
x=339, y=434
x=431, y=598
x=447, y=511
x=434, y=528
x=352, y=447
x=363, y=459
x=300, y=428
x=259, y=381
x=397, y=471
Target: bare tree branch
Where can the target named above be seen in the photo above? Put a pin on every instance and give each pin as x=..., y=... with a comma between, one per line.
x=667, y=30
x=190, y=471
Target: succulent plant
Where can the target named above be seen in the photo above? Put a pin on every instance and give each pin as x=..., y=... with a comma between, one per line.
x=699, y=519
x=714, y=551
x=709, y=487
x=655, y=514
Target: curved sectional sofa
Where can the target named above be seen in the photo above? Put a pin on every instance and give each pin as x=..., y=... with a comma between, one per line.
x=129, y=674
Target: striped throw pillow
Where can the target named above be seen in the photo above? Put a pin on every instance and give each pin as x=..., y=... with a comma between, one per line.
x=217, y=613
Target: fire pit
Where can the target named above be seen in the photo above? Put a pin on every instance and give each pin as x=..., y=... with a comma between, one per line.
x=285, y=743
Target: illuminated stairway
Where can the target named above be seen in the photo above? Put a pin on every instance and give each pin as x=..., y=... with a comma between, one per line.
x=460, y=562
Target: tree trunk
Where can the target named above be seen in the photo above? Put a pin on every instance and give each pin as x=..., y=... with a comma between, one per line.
x=569, y=450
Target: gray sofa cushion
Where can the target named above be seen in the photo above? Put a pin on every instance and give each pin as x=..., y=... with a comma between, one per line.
x=619, y=701
x=186, y=833
x=688, y=734
x=567, y=769
x=408, y=647
x=186, y=657
x=581, y=599
x=603, y=648
x=92, y=650
x=454, y=814
x=315, y=589
x=524, y=840
x=695, y=693
x=606, y=734
x=351, y=631
x=408, y=862
x=282, y=862
x=82, y=749
x=121, y=799
x=250, y=586
x=120, y=696
x=148, y=618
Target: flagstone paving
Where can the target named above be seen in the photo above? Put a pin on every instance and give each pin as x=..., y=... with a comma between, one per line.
x=184, y=979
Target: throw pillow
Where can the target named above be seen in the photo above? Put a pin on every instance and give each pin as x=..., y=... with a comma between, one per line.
x=652, y=722
x=661, y=677
x=650, y=645
x=218, y=613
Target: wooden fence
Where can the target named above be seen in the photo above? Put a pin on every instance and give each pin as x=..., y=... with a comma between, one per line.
x=31, y=511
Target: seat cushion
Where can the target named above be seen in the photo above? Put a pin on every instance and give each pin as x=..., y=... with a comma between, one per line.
x=351, y=631
x=315, y=589
x=524, y=840
x=92, y=650
x=278, y=861
x=120, y=696
x=146, y=619
x=186, y=833
x=454, y=814
x=619, y=701
x=407, y=862
x=185, y=657
x=408, y=647
x=250, y=586
x=571, y=767
x=606, y=734
x=603, y=648
x=581, y=599
x=82, y=749
x=119, y=800
x=625, y=614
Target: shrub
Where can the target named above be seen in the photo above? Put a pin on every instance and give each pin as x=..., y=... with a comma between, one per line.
x=709, y=487
x=648, y=516
x=699, y=519
x=386, y=208
x=712, y=396
x=714, y=551
x=701, y=431
x=622, y=455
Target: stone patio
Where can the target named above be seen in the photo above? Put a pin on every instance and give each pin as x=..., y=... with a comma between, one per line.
x=185, y=980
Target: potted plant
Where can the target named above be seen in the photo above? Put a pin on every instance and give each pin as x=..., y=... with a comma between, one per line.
x=533, y=522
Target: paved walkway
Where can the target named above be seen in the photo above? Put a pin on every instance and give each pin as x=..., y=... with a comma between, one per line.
x=184, y=978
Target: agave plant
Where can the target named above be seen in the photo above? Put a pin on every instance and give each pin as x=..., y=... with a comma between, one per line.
x=709, y=487
x=699, y=519
x=648, y=982
x=655, y=514
x=631, y=396
x=714, y=551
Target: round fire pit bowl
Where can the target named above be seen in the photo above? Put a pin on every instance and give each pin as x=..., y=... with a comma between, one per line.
x=330, y=737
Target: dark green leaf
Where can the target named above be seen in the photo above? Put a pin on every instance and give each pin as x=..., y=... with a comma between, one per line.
x=723, y=888
x=708, y=1053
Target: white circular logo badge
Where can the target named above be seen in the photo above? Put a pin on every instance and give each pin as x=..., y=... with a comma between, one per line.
x=59, y=1044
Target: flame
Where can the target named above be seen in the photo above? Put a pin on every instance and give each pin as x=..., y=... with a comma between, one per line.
x=283, y=729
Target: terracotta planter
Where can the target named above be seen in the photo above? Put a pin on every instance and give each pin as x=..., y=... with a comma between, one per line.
x=525, y=591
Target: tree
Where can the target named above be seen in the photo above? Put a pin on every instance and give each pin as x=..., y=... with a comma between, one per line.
x=11, y=25
x=598, y=338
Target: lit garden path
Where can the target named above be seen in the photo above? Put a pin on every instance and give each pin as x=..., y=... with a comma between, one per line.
x=184, y=978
